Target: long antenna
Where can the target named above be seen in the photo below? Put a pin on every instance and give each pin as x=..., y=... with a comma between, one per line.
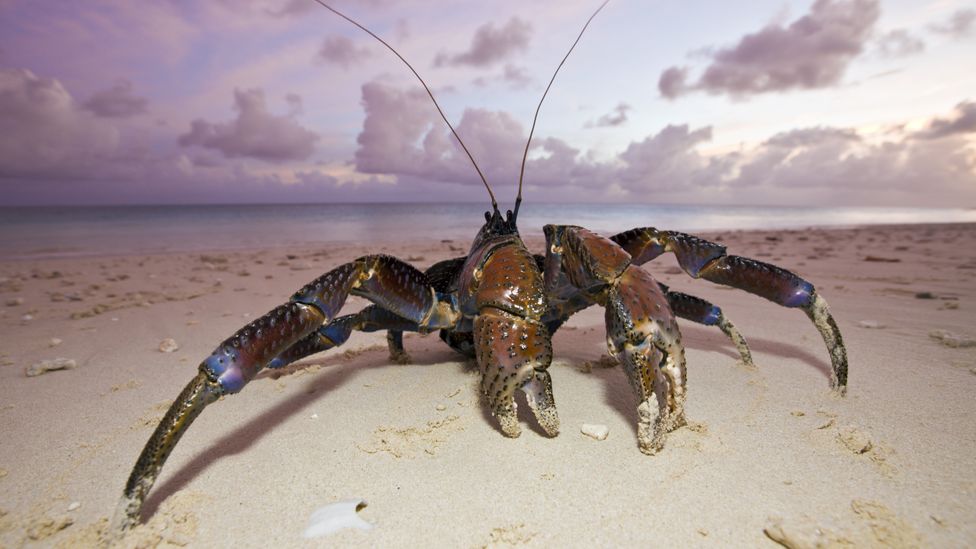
x=518, y=199
x=494, y=204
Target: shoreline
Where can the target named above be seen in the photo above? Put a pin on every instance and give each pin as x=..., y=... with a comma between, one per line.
x=464, y=240
x=769, y=452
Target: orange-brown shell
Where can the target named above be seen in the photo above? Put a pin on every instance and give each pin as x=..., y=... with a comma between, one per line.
x=510, y=281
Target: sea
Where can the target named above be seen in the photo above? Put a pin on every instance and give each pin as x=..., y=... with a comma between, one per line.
x=57, y=232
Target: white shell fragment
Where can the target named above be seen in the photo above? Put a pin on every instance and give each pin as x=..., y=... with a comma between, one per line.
x=595, y=431
x=335, y=517
x=46, y=366
x=168, y=345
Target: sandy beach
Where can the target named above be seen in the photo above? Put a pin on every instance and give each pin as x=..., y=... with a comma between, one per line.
x=770, y=453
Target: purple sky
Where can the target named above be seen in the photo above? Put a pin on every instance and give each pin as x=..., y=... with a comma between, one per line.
x=831, y=102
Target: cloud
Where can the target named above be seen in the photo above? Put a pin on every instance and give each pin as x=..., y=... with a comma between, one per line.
x=516, y=77
x=403, y=138
x=812, y=52
x=961, y=121
x=342, y=51
x=612, y=119
x=491, y=45
x=666, y=160
x=672, y=82
x=842, y=162
x=899, y=43
x=403, y=135
x=290, y=8
x=959, y=25
x=255, y=133
x=117, y=102
x=45, y=132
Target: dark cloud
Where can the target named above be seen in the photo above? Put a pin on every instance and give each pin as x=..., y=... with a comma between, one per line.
x=959, y=25
x=899, y=43
x=811, y=52
x=117, y=102
x=255, y=133
x=612, y=119
x=491, y=45
x=342, y=51
x=961, y=121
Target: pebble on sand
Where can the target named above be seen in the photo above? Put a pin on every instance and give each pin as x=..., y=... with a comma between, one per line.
x=46, y=366
x=871, y=324
x=13, y=302
x=54, y=342
x=168, y=345
x=595, y=431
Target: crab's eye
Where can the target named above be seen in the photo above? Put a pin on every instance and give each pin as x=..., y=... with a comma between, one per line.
x=487, y=216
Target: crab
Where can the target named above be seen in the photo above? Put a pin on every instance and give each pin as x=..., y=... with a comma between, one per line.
x=501, y=304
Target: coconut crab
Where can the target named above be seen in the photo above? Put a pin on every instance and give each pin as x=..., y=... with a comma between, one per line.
x=501, y=304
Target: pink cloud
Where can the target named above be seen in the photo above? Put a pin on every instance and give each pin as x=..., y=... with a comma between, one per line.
x=899, y=43
x=403, y=137
x=961, y=121
x=615, y=118
x=491, y=45
x=255, y=133
x=117, y=102
x=959, y=25
x=812, y=52
x=342, y=51
x=45, y=133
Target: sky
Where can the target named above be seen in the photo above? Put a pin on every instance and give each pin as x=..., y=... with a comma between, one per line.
x=767, y=102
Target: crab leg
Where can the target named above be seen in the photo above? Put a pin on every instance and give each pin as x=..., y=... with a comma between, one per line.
x=641, y=331
x=566, y=300
x=703, y=259
x=337, y=332
x=385, y=280
x=701, y=311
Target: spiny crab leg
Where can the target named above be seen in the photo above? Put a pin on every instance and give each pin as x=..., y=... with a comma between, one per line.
x=701, y=311
x=398, y=287
x=703, y=259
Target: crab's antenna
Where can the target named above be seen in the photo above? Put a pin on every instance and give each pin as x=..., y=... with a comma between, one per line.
x=518, y=199
x=494, y=204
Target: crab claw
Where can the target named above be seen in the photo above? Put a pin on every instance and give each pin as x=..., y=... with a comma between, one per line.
x=514, y=353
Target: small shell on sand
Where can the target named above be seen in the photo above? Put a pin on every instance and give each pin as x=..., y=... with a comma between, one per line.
x=46, y=366
x=168, y=345
x=950, y=339
x=335, y=517
x=54, y=342
x=871, y=324
x=595, y=431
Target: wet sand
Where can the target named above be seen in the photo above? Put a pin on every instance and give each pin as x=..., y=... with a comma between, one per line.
x=770, y=452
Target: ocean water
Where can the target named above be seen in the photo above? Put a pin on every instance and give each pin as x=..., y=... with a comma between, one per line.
x=44, y=232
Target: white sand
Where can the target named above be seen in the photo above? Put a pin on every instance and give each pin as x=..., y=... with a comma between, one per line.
x=891, y=464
